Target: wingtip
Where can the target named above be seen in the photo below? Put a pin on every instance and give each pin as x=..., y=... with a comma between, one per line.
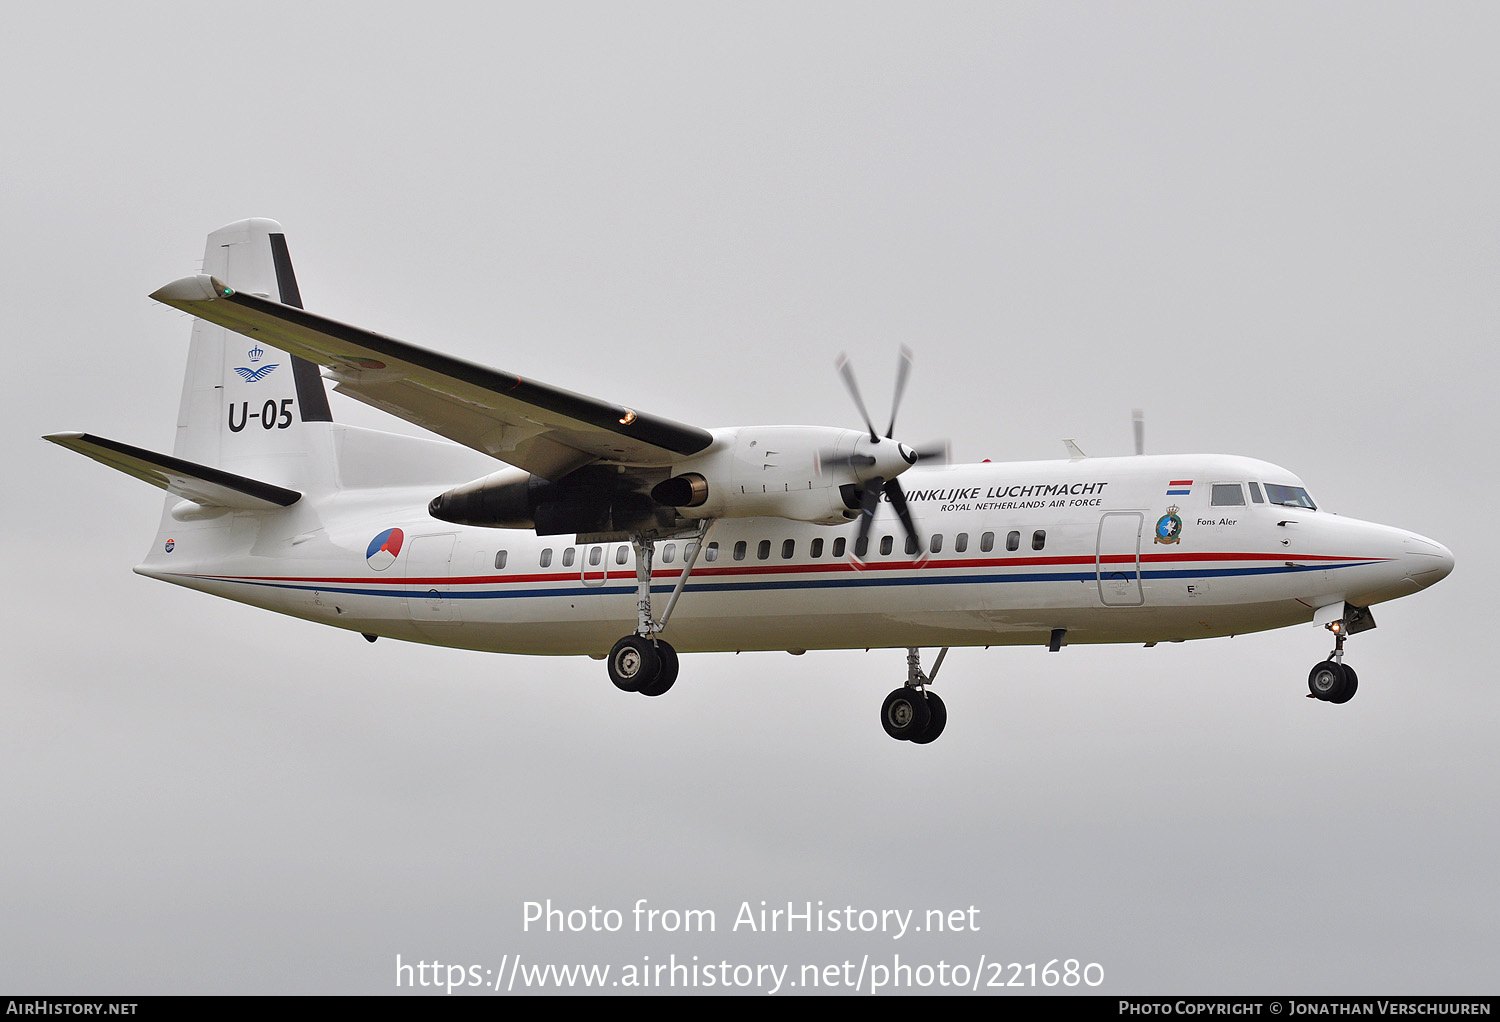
x=200, y=287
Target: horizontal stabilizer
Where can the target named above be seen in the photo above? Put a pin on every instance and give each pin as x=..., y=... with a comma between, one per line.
x=210, y=487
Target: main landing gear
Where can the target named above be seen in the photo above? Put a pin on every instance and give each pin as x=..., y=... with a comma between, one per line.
x=911, y=713
x=642, y=662
x=647, y=664
x=1333, y=681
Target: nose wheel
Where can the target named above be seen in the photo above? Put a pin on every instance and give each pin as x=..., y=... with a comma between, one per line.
x=1333, y=681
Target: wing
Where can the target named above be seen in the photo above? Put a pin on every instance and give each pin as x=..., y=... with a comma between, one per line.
x=542, y=429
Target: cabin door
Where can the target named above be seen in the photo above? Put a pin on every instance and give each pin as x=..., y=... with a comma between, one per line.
x=1117, y=559
x=428, y=572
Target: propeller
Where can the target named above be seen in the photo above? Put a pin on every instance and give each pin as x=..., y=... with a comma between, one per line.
x=887, y=483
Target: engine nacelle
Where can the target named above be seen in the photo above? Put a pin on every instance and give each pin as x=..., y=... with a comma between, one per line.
x=594, y=499
x=806, y=473
x=800, y=472
x=501, y=500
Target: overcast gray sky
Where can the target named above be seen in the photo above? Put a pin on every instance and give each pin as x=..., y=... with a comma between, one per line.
x=1271, y=226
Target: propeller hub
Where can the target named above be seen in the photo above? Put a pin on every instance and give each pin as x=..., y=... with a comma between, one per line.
x=880, y=459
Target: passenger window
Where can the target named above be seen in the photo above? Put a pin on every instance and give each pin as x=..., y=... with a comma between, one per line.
x=987, y=542
x=711, y=552
x=668, y=552
x=568, y=557
x=1013, y=541
x=816, y=549
x=500, y=560
x=961, y=543
x=787, y=549
x=838, y=546
x=596, y=554
x=546, y=559
x=1255, y=493
x=911, y=546
x=1228, y=495
x=622, y=555
x=763, y=549
x=886, y=543
x=739, y=551
x=861, y=546
x=1038, y=539
x=937, y=543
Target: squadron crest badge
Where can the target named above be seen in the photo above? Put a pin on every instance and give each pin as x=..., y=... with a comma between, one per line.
x=1169, y=527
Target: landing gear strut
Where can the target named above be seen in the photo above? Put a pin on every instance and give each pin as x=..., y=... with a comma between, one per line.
x=911, y=713
x=1333, y=681
x=643, y=662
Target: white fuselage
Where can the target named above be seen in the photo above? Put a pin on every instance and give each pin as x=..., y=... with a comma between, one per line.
x=1015, y=552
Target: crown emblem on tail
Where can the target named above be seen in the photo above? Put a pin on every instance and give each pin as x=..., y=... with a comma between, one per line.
x=256, y=353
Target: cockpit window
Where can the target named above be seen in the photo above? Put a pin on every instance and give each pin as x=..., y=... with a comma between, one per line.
x=1228, y=495
x=1290, y=496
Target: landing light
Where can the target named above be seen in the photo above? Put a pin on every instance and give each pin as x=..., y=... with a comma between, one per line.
x=627, y=418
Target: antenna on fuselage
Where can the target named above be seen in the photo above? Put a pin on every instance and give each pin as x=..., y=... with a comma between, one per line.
x=1138, y=420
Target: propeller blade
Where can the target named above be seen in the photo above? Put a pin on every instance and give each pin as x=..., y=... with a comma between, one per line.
x=897, y=497
x=847, y=372
x=937, y=452
x=903, y=369
x=868, y=504
x=831, y=458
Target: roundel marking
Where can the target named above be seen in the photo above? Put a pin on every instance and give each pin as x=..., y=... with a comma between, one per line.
x=384, y=548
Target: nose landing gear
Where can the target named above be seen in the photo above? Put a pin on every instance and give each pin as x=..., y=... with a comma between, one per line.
x=1333, y=681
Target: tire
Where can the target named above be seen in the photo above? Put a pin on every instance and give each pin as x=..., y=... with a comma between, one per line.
x=938, y=721
x=904, y=714
x=633, y=663
x=1349, y=687
x=1325, y=680
x=668, y=673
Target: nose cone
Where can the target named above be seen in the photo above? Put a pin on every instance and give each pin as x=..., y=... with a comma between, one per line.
x=1427, y=561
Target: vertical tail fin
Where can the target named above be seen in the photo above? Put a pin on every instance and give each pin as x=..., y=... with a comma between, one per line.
x=246, y=408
